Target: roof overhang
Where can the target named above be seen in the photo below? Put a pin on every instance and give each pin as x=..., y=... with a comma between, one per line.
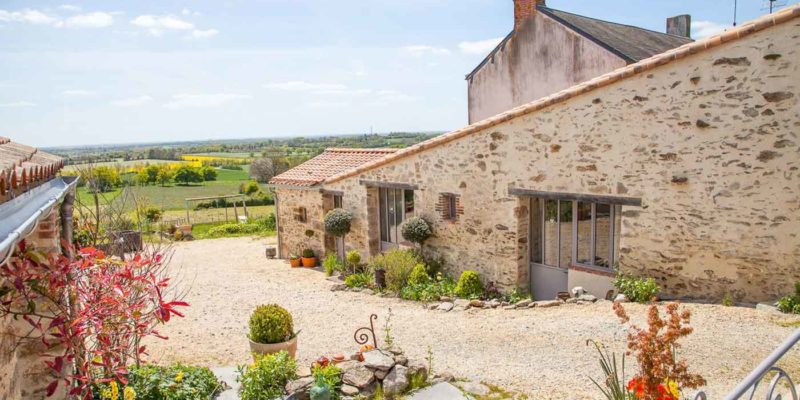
x=22, y=214
x=293, y=187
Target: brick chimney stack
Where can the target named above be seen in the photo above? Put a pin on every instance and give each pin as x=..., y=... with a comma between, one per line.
x=523, y=9
x=680, y=25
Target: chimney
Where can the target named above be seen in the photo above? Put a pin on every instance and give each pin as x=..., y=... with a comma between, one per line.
x=680, y=25
x=524, y=9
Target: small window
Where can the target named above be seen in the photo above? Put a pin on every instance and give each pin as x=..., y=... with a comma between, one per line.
x=337, y=201
x=449, y=206
x=300, y=214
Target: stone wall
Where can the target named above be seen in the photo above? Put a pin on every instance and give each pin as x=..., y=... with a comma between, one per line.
x=23, y=375
x=708, y=142
x=290, y=226
x=541, y=57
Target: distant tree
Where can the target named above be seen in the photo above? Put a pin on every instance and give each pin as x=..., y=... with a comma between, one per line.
x=263, y=169
x=209, y=173
x=164, y=175
x=186, y=174
x=102, y=179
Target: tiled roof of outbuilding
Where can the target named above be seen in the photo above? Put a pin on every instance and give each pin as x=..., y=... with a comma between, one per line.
x=331, y=162
x=23, y=167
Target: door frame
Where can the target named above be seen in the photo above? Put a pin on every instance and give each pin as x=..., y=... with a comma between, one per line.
x=534, y=266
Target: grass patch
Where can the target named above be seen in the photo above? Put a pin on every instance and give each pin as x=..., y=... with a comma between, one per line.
x=788, y=324
x=214, y=230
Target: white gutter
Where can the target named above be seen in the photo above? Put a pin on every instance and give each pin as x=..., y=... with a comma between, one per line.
x=28, y=225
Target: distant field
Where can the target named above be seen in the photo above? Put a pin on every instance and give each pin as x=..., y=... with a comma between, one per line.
x=121, y=163
x=227, y=175
x=172, y=197
x=223, y=155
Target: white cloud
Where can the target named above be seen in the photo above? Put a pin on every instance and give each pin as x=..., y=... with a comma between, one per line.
x=187, y=12
x=180, y=101
x=78, y=93
x=201, y=34
x=70, y=7
x=421, y=50
x=28, y=16
x=132, y=101
x=90, y=20
x=15, y=104
x=702, y=29
x=157, y=24
x=304, y=86
x=479, y=46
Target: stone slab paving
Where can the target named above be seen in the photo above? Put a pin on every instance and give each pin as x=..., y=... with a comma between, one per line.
x=439, y=391
x=227, y=375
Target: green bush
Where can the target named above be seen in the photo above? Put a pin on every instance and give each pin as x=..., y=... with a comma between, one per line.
x=353, y=258
x=267, y=222
x=176, y=382
x=337, y=222
x=791, y=303
x=639, y=290
x=398, y=265
x=307, y=253
x=328, y=377
x=361, y=280
x=416, y=230
x=249, y=188
x=469, y=285
x=233, y=229
x=331, y=264
x=419, y=275
x=429, y=291
x=267, y=377
x=271, y=323
x=152, y=214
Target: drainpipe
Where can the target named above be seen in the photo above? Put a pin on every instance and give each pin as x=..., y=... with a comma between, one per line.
x=66, y=223
x=277, y=220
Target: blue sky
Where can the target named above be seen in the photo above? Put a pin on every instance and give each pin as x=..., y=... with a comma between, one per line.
x=93, y=72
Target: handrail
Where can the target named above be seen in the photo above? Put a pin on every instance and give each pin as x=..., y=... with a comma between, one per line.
x=753, y=379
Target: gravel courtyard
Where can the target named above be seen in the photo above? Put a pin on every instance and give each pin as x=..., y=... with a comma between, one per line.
x=541, y=352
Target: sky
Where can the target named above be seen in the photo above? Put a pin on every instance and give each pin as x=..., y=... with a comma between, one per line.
x=108, y=72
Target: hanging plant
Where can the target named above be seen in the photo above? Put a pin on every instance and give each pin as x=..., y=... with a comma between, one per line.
x=337, y=222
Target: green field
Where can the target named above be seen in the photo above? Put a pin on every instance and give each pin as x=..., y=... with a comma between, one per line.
x=215, y=214
x=225, y=155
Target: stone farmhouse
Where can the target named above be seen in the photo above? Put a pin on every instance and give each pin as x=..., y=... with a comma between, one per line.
x=550, y=50
x=35, y=206
x=684, y=167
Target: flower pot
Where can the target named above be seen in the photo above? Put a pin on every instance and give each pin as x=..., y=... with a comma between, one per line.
x=309, y=262
x=380, y=278
x=290, y=346
x=294, y=262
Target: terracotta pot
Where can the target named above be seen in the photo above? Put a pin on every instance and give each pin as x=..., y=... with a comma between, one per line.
x=289, y=346
x=294, y=262
x=309, y=262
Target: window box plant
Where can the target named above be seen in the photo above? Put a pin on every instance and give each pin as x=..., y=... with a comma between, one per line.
x=294, y=261
x=308, y=258
x=272, y=331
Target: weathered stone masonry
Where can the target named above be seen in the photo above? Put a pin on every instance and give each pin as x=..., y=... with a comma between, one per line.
x=708, y=142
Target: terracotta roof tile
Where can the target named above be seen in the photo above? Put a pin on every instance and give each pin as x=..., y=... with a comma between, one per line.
x=22, y=167
x=785, y=15
x=331, y=162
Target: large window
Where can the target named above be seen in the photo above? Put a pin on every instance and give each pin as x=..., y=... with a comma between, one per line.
x=396, y=205
x=566, y=230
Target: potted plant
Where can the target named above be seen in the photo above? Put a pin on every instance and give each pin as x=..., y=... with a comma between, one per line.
x=416, y=230
x=309, y=259
x=272, y=331
x=294, y=261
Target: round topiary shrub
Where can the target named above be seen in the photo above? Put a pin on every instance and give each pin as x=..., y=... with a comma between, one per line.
x=469, y=285
x=419, y=275
x=337, y=222
x=271, y=323
x=416, y=230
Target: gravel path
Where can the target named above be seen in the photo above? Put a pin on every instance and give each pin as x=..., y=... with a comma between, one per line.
x=541, y=352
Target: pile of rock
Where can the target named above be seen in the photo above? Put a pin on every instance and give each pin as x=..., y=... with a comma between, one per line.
x=449, y=304
x=364, y=372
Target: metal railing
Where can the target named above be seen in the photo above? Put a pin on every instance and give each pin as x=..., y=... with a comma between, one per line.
x=753, y=380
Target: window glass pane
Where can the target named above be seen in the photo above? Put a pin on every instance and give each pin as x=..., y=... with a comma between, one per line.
x=602, y=238
x=566, y=234
x=617, y=233
x=536, y=230
x=551, y=232
x=584, y=233
x=392, y=214
x=383, y=215
x=399, y=216
x=409, y=200
x=337, y=201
